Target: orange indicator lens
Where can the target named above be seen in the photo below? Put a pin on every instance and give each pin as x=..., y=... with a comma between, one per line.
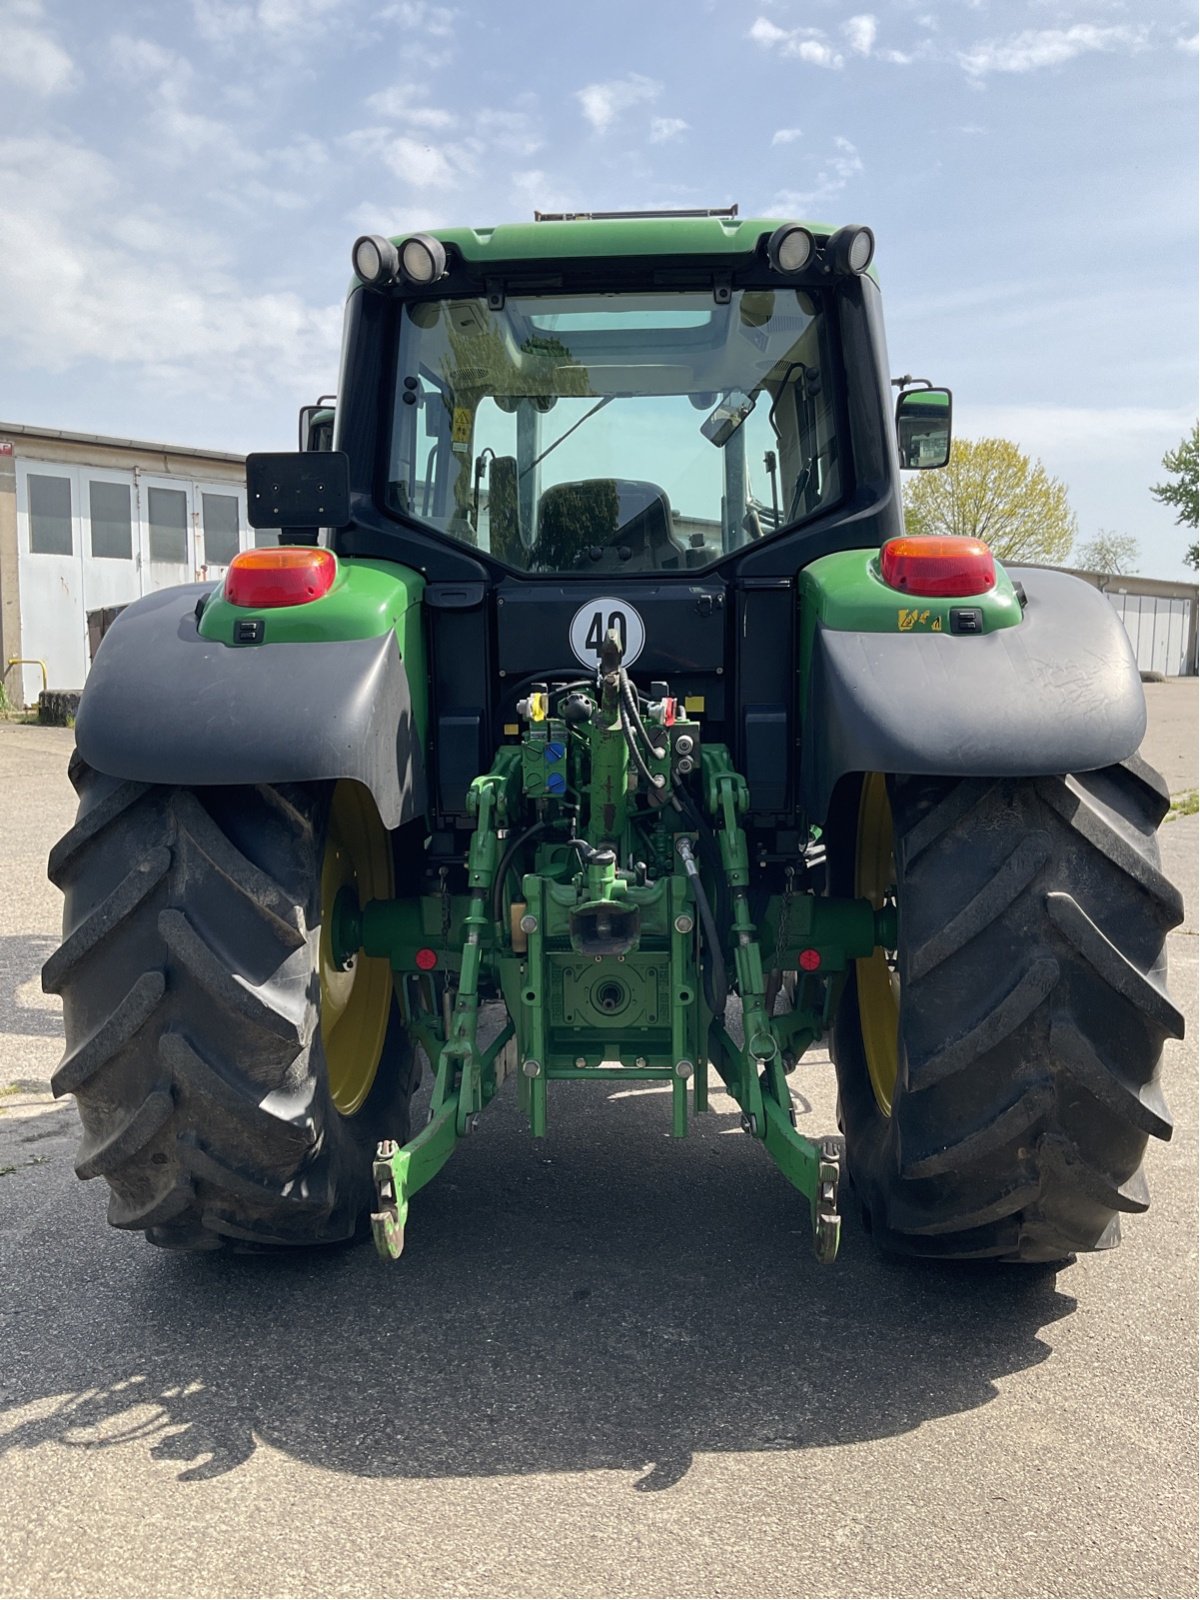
x=938, y=564
x=289, y=576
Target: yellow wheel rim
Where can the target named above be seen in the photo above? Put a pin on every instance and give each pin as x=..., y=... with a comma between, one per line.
x=878, y=985
x=356, y=1002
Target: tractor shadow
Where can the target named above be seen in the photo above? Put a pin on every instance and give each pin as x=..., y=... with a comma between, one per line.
x=609, y=1298
x=24, y=1009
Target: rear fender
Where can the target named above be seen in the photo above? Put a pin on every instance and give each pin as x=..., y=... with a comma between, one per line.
x=170, y=701
x=1049, y=688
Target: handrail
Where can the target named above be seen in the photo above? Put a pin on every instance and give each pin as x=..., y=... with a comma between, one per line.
x=27, y=661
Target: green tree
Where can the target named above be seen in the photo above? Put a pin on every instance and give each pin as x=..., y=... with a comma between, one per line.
x=989, y=490
x=1114, y=554
x=1183, y=488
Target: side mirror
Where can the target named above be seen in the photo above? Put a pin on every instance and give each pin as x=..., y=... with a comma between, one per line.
x=298, y=492
x=316, y=428
x=923, y=427
x=725, y=421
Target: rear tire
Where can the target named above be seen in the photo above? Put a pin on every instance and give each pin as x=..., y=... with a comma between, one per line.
x=1031, y=1015
x=190, y=973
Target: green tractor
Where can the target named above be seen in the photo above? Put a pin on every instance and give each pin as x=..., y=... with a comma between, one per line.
x=595, y=719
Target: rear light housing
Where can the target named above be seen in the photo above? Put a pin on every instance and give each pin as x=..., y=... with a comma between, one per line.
x=937, y=564
x=292, y=575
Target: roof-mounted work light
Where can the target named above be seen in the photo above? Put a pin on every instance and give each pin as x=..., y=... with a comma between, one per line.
x=375, y=260
x=851, y=249
x=790, y=248
x=422, y=258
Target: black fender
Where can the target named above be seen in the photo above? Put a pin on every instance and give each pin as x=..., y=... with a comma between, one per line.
x=1059, y=692
x=164, y=705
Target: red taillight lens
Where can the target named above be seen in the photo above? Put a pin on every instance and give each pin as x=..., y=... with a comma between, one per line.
x=289, y=576
x=938, y=564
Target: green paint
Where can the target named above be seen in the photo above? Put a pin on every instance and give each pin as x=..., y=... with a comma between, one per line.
x=652, y=237
x=367, y=599
x=598, y=965
x=846, y=592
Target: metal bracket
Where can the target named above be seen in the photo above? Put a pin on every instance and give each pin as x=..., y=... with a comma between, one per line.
x=827, y=1223
x=387, y=1224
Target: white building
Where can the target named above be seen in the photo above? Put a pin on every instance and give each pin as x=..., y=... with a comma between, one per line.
x=87, y=523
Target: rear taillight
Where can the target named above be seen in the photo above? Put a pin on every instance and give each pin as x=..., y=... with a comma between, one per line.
x=938, y=564
x=289, y=576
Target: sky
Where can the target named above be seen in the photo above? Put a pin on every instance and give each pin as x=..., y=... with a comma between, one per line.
x=181, y=182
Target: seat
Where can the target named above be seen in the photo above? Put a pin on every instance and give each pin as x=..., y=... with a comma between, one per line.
x=605, y=525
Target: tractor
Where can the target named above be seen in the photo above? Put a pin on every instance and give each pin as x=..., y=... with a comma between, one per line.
x=594, y=718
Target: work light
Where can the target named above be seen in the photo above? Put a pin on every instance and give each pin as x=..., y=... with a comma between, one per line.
x=851, y=248
x=422, y=258
x=375, y=260
x=790, y=248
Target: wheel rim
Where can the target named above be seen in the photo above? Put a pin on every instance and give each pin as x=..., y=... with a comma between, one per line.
x=355, y=1001
x=877, y=981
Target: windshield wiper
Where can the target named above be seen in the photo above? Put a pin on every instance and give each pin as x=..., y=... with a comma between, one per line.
x=537, y=460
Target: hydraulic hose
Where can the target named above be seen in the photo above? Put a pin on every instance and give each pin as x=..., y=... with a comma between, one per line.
x=630, y=696
x=506, y=861
x=716, y=982
x=656, y=784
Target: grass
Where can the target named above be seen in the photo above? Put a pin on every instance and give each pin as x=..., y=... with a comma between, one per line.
x=1184, y=805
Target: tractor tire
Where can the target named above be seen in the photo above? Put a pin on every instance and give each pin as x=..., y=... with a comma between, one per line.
x=202, y=1015
x=1026, y=1005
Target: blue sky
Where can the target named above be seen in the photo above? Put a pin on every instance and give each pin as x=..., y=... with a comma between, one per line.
x=181, y=181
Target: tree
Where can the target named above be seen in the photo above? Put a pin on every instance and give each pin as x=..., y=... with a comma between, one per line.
x=1183, y=491
x=991, y=491
x=1113, y=554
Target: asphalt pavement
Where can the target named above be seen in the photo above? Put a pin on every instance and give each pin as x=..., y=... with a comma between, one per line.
x=607, y=1363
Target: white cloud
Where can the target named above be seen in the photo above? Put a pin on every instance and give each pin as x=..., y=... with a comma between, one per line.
x=1047, y=47
x=375, y=217
x=802, y=44
x=422, y=36
x=303, y=155
x=228, y=23
x=134, y=60
x=1192, y=44
x=860, y=33
x=125, y=293
x=404, y=102
x=533, y=190
x=664, y=129
x=603, y=103
x=29, y=56
x=182, y=135
x=423, y=166
x=513, y=133
x=786, y=135
x=835, y=172
x=437, y=21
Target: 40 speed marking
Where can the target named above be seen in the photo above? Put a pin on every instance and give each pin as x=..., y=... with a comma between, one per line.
x=596, y=618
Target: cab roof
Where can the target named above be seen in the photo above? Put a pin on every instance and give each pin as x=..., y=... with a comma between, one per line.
x=587, y=237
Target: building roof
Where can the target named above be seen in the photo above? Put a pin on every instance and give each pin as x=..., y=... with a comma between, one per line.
x=24, y=430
